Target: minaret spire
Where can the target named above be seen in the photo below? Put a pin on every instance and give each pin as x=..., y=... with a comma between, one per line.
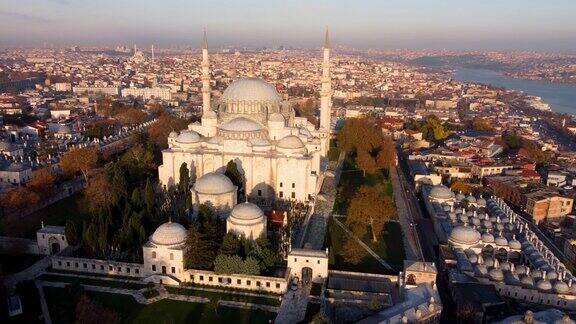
x=205, y=76
x=326, y=92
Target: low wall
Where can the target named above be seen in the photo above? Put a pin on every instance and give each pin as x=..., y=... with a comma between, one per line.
x=102, y=267
x=237, y=281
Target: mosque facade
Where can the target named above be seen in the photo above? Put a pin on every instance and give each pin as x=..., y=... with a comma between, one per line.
x=279, y=154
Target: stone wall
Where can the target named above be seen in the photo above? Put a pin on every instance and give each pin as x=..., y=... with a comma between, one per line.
x=18, y=245
x=102, y=267
x=238, y=281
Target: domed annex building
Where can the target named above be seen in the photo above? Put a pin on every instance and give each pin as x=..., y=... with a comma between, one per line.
x=278, y=153
x=483, y=240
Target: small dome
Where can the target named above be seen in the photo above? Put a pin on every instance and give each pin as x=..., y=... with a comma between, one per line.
x=476, y=221
x=169, y=234
x=501, y=241
x=188, y=137
x=441, y=192
x=250, y=89
x=514, y=244
x=561, y=287
x=471, y=199
x=535, y=273
x=246, y=211
x=520, y=270
x=290, y=142
x=214, y=183
x=241, y=124
x=527, y=281
x=473, y=258
x=489, y=261
x=480, y=270
x=487, y=238
x=446, y=208
x=464, y=235
x=276, y=117
x=260, y=142
x=173, y=134
x=544, y=285
x=481, y=202
x=460, y=196
x=496, y=274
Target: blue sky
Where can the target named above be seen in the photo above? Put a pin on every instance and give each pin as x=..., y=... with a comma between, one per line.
x=452, y=24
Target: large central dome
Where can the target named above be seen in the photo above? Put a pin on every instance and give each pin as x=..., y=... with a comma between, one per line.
x=250, y=89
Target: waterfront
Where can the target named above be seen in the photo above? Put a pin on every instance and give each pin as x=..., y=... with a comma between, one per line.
x=561, y=97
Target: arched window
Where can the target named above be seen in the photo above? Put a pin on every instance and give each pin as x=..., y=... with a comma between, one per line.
x=153, y=254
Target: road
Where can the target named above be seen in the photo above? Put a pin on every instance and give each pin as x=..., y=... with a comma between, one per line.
x=423, y=225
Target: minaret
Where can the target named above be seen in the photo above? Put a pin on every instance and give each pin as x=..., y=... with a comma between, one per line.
x=152, y=53
x=326, y=92
x=205, y=76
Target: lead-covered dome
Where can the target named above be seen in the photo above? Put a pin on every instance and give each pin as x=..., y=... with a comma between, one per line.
x=188, y=137
x=169, y=234
x=464, y=235
x=290, y=142
x=441, y=192
x=250, y=89
x=246, y=211
x=213, y=183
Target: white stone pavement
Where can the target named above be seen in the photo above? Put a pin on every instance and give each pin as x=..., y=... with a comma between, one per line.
x=293, y=307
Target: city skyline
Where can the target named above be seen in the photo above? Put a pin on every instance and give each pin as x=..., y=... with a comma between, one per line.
x=419, y=24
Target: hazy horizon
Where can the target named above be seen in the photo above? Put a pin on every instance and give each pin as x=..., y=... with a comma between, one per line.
x=411, y=24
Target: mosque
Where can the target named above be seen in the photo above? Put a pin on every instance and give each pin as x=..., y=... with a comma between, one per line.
x=253, y=127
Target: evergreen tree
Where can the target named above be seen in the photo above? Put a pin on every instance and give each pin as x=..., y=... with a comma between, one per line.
x=235, y=175
x=118, y=183
x=230, y=245
x=184, y=182
x=251, y=267
x=71, y=232
x=136, y=198
x=149, y=197
x=198, y=252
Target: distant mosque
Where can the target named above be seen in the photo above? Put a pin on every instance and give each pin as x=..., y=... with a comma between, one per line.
x=278, y=154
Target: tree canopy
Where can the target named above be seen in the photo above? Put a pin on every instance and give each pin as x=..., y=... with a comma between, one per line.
x=370, y=209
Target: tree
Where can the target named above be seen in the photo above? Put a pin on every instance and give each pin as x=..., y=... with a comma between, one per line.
x=228, y=264
x=353, y=252
x=460, y=186
x=19, y=198
x=87, y=312
x=230, y=245
x=160, y=130
x=138, y=161
x=198, y=254
x=79, y=160
x=118, y=183
x=386, y=158
x=234, y=175
x=149, y=197
x=99, y=193
x=71, y=232
x=370, y=208
x=43, y=182
x=184, y=182
x=366, y=162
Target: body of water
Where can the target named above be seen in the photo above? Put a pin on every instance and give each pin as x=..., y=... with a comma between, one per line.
x=561, y=97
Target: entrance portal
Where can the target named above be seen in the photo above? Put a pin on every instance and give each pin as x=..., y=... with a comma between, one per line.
x=306, y=275
x=163, y=269
x=54, y=245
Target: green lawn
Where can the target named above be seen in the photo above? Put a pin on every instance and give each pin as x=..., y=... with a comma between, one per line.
x=390, y=247
x=61, y=305
x=213, y=296
x=92, y=281
x=353, y=178
x=55, y=214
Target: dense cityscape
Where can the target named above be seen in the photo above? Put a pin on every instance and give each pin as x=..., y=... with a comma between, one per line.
x=286, y=184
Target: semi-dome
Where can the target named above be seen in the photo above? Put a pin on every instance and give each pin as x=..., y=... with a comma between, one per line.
x=496, y=274
x=188, y=137
x=169, y=234
x=213, y=183
x=250, y=89
x=464, y=235
x=441, y=192
x=290, y=142
x=241, y=124
x=246, y=211
x=276, y=117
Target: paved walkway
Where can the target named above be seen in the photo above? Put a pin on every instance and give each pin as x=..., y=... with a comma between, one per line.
x=293, y=307
x=405, y=218
x=43, y=305
x=28, y=274
x=366, y=247
x=314, y=231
